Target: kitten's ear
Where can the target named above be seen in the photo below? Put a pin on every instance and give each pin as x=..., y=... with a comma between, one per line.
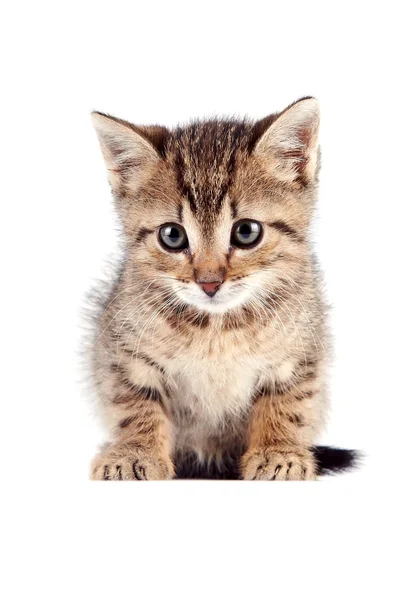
x=128, y=152
x=290, y=145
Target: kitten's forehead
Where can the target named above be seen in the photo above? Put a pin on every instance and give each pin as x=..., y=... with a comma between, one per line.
x=205, y=156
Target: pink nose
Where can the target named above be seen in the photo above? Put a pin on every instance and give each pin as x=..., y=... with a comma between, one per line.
x=210, y=288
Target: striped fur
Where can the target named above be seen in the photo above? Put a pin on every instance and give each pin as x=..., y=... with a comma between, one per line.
x=240, y=377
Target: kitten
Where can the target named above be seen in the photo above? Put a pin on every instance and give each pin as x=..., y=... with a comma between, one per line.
x=212, y=348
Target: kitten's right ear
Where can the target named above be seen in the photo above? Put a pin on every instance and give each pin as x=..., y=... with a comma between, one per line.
x=128, y=155
x=289, y=146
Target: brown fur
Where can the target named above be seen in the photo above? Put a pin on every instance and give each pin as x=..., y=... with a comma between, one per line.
x=242, y=385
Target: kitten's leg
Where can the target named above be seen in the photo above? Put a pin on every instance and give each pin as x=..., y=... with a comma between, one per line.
x=141, y=427
x=281, y=431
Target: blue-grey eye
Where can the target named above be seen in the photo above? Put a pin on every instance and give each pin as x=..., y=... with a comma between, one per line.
x=246, y=233
x=173, y=237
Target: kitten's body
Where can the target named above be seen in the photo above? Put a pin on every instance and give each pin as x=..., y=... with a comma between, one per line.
x=236, y=383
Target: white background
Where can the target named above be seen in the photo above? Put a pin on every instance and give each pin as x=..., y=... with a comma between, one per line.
x=167, y=62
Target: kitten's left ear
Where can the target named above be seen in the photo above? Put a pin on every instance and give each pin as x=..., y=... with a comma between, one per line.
x=290, y=145
x=129, y=152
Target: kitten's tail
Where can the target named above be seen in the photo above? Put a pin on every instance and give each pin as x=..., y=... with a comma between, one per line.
x=335, y=460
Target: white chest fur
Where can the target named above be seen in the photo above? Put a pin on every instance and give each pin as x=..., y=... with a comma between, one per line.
x=214, y=388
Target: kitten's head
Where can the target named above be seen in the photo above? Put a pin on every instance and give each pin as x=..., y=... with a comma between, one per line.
x=216, y=213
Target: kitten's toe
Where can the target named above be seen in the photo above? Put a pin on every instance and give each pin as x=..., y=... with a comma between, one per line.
x=122, y=464
x=275, y=465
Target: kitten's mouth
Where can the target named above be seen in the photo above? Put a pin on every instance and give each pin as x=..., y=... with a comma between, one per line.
x=226, y=297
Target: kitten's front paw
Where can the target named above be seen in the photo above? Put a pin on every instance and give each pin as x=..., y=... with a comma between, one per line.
x=279, y=464
x=127, y=462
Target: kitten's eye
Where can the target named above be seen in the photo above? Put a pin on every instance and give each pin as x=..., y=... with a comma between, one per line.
x=173, y=237
x=246, y=233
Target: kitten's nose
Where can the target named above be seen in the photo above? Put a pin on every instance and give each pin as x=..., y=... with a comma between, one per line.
x=210, y=287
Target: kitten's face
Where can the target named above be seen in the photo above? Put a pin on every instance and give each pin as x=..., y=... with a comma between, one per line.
x=217, y=264
x=217, y=212
x=214, y=265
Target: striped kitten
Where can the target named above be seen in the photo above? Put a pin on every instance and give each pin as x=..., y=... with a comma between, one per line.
x=211, y=351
